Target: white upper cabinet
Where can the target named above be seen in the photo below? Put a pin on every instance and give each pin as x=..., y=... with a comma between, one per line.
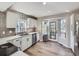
x=31, y=23
x=11, y=19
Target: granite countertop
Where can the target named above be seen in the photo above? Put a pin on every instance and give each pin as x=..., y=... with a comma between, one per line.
x=33, y=32
x=5, y=40
x=23, y=34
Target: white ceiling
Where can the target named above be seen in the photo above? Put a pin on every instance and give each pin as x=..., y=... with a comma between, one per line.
x=38, y=9
x=4, y=5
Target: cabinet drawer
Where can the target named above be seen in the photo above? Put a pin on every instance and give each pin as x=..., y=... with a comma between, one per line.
x=15, y=42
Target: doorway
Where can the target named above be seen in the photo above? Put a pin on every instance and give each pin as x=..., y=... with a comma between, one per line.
x=52, y=30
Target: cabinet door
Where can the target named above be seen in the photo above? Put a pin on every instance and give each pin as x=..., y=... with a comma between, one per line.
x=11, y=20
x=31, y=23
x=35, y=23
x=15, y=42
x=24, y=43
x=29, y=41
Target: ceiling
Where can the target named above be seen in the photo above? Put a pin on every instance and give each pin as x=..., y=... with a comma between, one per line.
x=5, y=5
x=37, y=9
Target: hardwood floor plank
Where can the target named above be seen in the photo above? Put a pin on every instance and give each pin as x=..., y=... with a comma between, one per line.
x=49, y=48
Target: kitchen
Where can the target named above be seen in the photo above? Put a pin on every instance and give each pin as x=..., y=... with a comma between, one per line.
x=17, y=28
x=26, y=29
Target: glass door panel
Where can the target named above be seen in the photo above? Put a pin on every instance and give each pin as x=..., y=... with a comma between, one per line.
x=52, y=26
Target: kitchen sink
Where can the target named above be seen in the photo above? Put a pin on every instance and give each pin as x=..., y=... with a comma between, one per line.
x=21, y=34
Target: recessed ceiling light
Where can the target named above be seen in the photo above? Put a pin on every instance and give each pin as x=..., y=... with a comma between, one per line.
x=44, y=3
x=67, y=11
x=49, y=11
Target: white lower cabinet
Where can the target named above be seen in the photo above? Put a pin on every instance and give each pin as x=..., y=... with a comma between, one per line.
x=15, y=42
x=26, y=42
x=23, y=42
x=29, y=40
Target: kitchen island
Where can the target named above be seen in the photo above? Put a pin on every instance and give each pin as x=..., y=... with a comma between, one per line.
x=6, y=39
x=21, y=42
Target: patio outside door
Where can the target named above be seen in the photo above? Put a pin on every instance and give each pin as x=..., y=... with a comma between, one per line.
x=52, y=29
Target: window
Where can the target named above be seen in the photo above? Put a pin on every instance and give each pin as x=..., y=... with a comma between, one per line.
x=63, y=25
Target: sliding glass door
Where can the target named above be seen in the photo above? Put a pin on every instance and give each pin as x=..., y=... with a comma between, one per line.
x=52, y=29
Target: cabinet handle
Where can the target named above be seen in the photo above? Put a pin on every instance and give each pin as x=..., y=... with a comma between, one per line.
x=20, y=42
x=27, y=39
x=65, y=35
x=17, y=40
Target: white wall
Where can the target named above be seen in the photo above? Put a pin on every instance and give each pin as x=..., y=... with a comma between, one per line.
x=72, y=32
x=64, y=40
x=70, y=36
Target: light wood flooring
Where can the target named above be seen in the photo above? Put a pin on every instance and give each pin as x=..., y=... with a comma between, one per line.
x=49, y=48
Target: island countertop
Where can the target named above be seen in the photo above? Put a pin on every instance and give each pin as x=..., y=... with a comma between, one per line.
x=5, y=39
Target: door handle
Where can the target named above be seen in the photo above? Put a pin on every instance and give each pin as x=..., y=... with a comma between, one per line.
x=65, y=35
x=27, y=39
x=17, y=40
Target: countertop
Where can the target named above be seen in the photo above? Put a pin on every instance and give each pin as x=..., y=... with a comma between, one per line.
x=5, y=40
x=33, y=32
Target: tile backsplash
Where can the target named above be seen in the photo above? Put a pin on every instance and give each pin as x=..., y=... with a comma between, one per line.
x=7, y=32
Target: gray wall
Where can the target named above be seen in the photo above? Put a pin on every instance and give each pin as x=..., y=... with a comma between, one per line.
x=3, y=26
